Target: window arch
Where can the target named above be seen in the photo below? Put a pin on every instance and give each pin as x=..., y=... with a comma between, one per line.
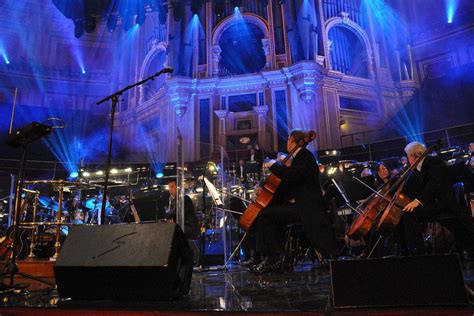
x=154, y=61
x=241, y=45
x=347, y=53
x=348, y=47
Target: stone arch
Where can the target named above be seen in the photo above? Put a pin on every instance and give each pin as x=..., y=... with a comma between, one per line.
x=228, y=22
x=157, y=49
x=355, y=28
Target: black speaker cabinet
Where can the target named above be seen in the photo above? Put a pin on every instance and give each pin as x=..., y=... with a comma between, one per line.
x=402, y=281
x=124, y=262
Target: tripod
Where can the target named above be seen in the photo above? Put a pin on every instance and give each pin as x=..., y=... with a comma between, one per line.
x=11, y=266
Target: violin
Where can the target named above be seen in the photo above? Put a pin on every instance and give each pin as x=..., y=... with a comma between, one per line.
x=269, y=188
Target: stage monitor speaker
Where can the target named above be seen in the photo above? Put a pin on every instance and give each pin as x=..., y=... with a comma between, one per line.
x=403, y=281
x=124, y=262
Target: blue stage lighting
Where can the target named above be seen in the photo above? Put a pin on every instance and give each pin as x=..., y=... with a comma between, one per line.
x=451, y=7
x=159, y=174
x=4, y=54
x=74, y=174
x=83, y=70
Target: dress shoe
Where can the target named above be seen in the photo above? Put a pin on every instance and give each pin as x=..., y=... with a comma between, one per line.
x=265, y=267
x=468, y=254
x=249, y=263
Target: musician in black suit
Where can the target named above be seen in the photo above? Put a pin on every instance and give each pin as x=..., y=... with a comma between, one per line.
x=242, y=170
x=435, y=197
x=191, y=229
x=298, y=200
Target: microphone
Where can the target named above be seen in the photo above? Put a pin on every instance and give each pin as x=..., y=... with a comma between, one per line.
x=167, y=70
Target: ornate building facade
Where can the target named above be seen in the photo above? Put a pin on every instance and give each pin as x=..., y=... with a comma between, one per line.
x=247, y=72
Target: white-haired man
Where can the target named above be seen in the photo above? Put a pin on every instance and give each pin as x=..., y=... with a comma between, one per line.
x=435, y=196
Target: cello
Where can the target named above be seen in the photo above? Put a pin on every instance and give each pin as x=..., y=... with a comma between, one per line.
x=372, y=207
x=270, y=187
x=393, y=212
x=384, y=201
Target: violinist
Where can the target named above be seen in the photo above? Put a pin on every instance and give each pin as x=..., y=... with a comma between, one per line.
x=297, y=200
x=435, y=197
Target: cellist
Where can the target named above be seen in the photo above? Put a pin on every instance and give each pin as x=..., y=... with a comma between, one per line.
x=298, y=199
x=435, y=196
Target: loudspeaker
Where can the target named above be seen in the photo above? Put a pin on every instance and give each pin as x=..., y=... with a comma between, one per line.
x=124, y=262
x=403, y=281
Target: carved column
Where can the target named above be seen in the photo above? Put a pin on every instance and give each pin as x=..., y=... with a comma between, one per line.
x=222, y=115
x=261, y=111
x=306, y=82
x=216, y=56
x=266, y=50
x=180, y=95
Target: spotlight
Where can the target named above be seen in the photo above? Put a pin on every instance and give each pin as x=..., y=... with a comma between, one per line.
x=196, y=6
x=162, y=14
x=99, y=173
x=128, y=169
x=451, y=9
x=89, y=24
x=159, y=175
x=236, y=3
x=219, y=7
x=79, y=28
x=140, y=16
x=83, y=70
x=74, y=174
x=114, y=171
x=178, y=11
x=86, y=174
x=111, y=23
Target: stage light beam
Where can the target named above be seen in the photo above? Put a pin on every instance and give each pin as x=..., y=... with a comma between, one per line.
x=451, y=6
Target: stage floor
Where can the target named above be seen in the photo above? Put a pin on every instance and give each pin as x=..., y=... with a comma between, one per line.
x=304, y=291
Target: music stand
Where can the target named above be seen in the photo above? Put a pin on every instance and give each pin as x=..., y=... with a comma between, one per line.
x=22, y=138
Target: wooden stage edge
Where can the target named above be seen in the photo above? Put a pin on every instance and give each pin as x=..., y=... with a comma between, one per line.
x=41, y=268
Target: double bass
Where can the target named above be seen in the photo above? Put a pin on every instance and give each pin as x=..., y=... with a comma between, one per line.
x=269, y=188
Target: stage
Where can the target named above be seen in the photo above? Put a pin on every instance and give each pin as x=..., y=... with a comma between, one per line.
x=306, y=291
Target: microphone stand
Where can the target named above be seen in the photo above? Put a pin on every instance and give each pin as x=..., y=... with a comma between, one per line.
x=348, y=204
x=114, y=97
x=20, y=139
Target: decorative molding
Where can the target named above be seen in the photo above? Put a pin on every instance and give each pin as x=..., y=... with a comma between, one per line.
x=426, y=65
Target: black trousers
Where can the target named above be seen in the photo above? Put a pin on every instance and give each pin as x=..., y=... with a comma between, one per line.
x=449, y=216
x=271, y=227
